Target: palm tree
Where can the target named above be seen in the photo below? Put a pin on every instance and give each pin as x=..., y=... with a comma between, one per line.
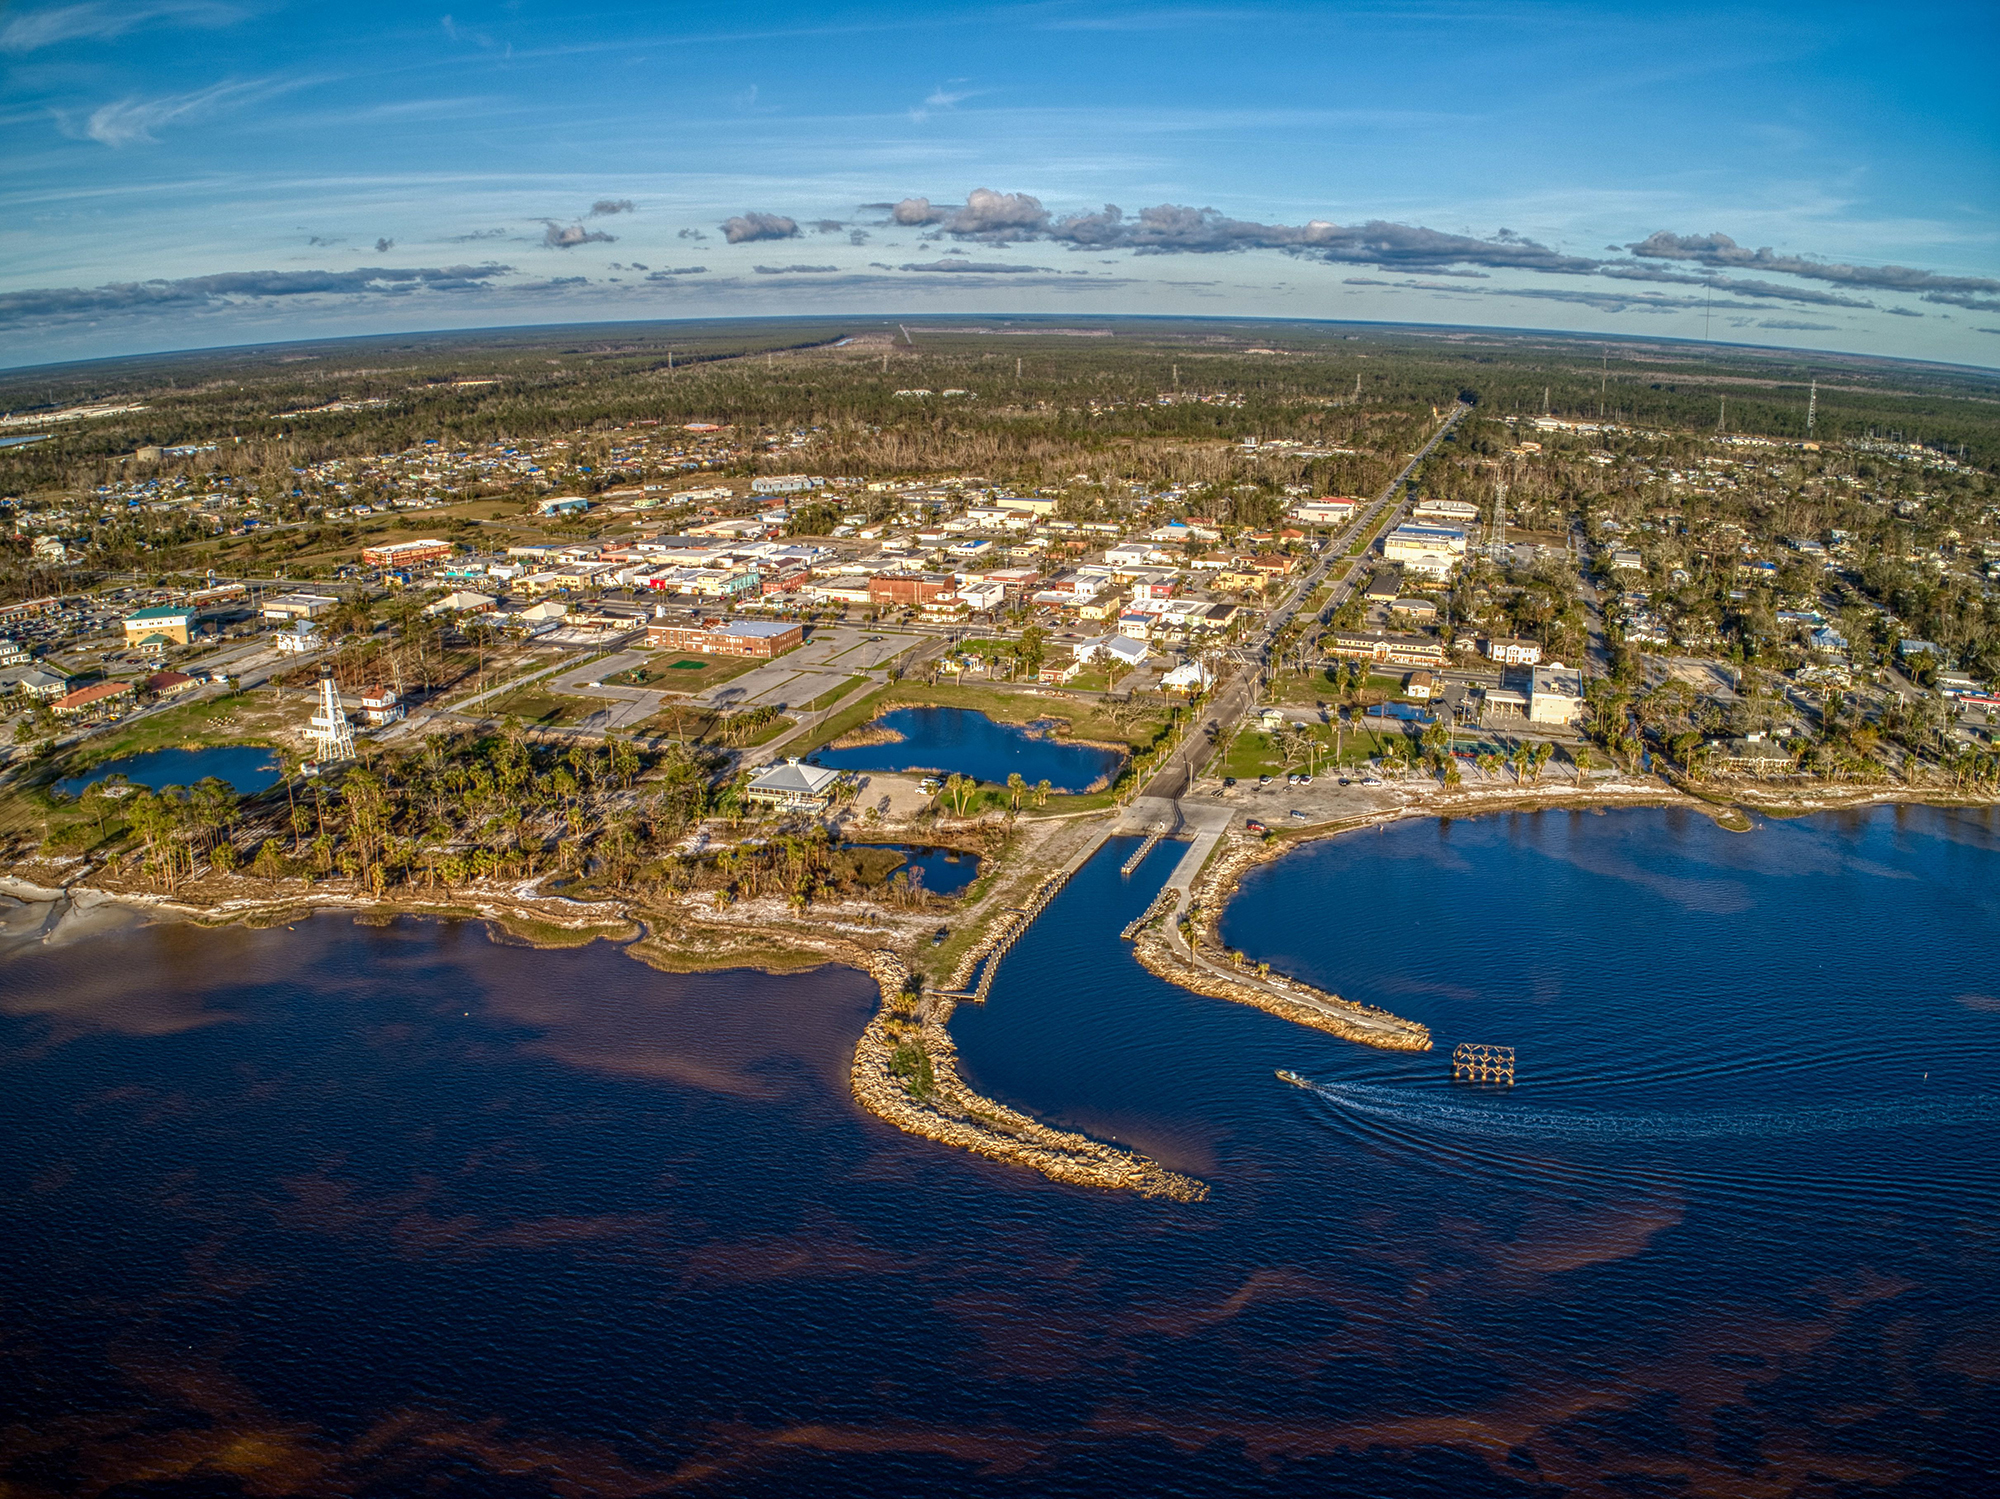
x=1016, y=785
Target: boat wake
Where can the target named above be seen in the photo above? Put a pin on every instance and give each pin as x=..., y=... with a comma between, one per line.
x=1501, y=1117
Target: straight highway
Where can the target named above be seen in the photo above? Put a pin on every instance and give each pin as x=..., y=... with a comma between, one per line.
x=1239, y=692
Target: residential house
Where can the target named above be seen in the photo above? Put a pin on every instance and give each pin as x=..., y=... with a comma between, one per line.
x=1513, y=651
x=379, y=705
x=99, y=700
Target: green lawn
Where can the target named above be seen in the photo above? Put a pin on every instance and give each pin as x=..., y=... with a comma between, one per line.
x=1254, y=752
x=827, y=699
x=535, y=704
x=688, y=671
x=183, y=727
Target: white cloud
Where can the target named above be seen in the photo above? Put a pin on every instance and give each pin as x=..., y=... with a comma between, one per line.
x=128, y=122
x=98, y=20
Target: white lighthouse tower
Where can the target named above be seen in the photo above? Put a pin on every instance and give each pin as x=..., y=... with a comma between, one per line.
x=328, y=728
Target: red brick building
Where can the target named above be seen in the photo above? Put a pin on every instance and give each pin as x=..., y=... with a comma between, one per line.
x=908, y=589
x=742, y=637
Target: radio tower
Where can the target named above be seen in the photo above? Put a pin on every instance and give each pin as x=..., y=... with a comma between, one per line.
x=1812, y=403
x=328, y=728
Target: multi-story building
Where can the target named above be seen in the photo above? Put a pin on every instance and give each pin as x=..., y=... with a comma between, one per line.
x=406, y=553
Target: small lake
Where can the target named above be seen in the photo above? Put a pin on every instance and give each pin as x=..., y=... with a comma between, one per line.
x=946, y=871
x=968, y=742
x=247, y=767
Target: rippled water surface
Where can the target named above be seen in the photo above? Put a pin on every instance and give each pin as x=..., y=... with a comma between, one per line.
x=354, y=1210
x=960, y=740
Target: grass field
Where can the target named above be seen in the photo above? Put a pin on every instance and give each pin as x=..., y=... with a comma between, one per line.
x=1254, y=752
x=833, y=695
x=687, y=671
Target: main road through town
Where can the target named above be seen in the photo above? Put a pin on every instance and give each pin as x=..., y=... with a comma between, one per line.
x=1239, y=692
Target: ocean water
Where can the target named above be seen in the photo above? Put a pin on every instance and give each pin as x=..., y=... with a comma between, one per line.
x=960, y=740
x=390, y=1210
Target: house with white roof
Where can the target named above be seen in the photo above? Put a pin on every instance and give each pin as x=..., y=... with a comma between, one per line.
x=794, y=786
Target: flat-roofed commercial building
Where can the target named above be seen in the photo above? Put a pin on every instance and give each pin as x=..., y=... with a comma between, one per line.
x=406, y=553
x=740, y=637
x=1451, y=512
x=1555, y=695
x=290, y=606
x=909, y=588
x=1332, y=511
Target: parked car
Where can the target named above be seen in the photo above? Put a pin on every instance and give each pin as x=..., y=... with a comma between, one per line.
x=1254, y=826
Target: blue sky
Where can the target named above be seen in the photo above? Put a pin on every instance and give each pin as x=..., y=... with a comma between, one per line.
x=185, y=173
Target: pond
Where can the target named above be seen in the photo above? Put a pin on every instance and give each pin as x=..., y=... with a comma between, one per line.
x=968, y=742
x=247, y=767
x=945, y=871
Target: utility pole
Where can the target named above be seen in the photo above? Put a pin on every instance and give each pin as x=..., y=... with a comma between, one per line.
x=1722, y=421
x=1603, y=380
x=1812, y=403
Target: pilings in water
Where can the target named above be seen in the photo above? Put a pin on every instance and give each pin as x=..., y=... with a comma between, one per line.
x=1477, y=1062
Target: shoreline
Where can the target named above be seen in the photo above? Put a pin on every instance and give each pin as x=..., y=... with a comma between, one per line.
x=947, y=1112
x=1194, y=961
x=904, y=1068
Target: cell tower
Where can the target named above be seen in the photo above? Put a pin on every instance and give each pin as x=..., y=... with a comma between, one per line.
x=328, y=728
x=1812, y=405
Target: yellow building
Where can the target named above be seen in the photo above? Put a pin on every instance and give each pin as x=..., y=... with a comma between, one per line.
x=162, y=619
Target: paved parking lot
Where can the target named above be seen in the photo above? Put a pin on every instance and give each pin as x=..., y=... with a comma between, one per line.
x=824, y=662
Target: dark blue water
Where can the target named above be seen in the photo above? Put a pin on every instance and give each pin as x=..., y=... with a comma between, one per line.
x=960, y=740
x=395, y=1210
x=944, y=871
x=247, y=767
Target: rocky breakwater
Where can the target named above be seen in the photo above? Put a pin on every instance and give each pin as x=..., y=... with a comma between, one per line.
x=1187, y=953
x=906, y=1072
